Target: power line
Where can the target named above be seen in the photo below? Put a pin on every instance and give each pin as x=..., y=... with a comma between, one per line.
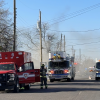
x=80, y=12
x=24, y=21
x=63, y=31
x=88, y=8
x=97, y=5
x=88, y=50
x=22, y=33
x=84, y=39
x=76, y=31
x=83, y=43
x=28, y=6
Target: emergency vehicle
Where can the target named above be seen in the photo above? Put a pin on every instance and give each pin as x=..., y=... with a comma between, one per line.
x=17, y=70
x=97, y=70
x=60, y=66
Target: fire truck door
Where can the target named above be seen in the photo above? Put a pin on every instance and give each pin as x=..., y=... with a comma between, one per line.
x=27, y=75
x=37, y=75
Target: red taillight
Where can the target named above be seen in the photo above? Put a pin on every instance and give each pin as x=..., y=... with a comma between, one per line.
x=65, y=71
x=52, y=72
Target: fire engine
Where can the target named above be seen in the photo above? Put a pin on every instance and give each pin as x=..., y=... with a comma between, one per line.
x=17, y=70
x=60, y=66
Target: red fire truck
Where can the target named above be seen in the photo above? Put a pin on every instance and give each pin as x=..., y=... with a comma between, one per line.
x=17, y=70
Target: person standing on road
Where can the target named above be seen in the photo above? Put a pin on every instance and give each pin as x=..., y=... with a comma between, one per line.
x=43, y=76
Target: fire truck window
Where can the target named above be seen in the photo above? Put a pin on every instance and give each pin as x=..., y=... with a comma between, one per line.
x=11, y=67
x=31, y=66
x=98, y=65
x=28, y=66
x=7, y=67
x=55, y=65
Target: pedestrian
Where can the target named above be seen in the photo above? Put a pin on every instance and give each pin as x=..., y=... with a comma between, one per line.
x=43, y=76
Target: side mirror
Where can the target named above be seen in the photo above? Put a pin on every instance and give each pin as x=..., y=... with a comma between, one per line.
x=20, y=69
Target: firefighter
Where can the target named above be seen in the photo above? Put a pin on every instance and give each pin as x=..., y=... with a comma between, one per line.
x=43, y=76
x=59, y=56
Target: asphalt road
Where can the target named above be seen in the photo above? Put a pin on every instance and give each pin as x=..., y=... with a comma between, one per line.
x=80, y=89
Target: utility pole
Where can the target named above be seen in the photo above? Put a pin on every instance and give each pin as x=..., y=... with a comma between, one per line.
x=61, y=43
x=14, y=45
x=64, y=43
x=80, y=54
x=74, y=54
x=44, y=31
x=39, y=26
x=72, y=50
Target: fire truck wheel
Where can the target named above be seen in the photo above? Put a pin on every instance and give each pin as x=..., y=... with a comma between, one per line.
x=69, y=80
x=27, y=87
x=16, y=87
x=2, y=89
x=96, y=78
x=51, y=80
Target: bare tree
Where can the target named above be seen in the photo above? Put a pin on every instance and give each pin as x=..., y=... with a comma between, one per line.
x=31, y=38
x=51, y=40
x=6, y=36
